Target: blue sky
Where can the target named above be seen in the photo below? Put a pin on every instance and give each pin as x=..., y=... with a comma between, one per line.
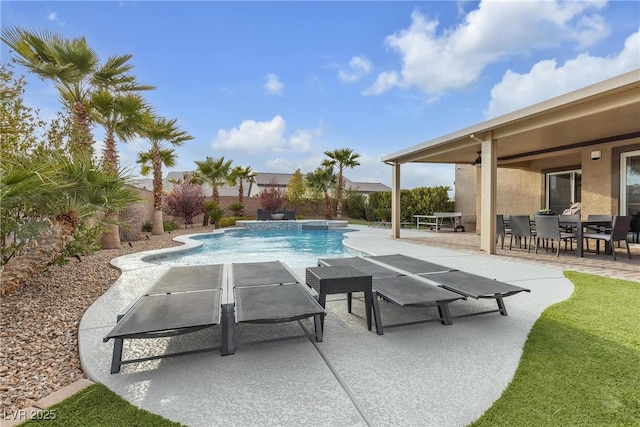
x=272, y=85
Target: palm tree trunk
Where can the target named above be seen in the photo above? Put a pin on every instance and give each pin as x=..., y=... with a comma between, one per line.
x=241, y=197
x=38, y=256
x=111, y=238
x=158, y=227
x=339, y=196
x=328, y=214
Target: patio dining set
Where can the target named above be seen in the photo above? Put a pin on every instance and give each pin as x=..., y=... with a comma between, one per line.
x=187, y=299
x=545, y=231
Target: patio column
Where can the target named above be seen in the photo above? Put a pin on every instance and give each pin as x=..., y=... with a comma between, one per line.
x=488, y=195
x=395, y=200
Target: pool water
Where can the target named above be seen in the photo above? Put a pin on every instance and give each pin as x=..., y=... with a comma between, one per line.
x=296, y=248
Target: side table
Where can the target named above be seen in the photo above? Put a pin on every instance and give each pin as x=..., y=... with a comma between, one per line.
x=344, y=279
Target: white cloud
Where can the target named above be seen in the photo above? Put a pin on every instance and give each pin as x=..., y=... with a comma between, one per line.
x=435, y=61
x=358, y=67
x=280, y=165
x=269, y=136
x=546, y=79
x=53, y=17
x=273, y=84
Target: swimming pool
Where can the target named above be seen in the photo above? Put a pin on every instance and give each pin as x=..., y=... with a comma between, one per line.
x=296, y=248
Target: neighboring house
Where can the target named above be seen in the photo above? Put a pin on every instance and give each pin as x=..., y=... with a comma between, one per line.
x=262, y=180
x=582, y=146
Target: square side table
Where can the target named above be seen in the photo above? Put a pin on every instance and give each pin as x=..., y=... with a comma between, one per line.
x=344, y=279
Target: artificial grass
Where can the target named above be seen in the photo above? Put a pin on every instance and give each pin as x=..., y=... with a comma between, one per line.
x=581, y=362
x=98, y=406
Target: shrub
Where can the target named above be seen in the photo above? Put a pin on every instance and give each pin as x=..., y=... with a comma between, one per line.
x=237, y=209
x=355, y=204
x=229, y=221
x=272, y=198
x=147, y=226
x=170, y=225
x=185, y=200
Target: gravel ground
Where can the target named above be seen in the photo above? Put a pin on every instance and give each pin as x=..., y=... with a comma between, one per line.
x=39, y=323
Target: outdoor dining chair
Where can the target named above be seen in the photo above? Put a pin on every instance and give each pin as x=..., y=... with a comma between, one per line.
x=619, y=232
x=501, y=230
x=548, y=228
x=520, y=227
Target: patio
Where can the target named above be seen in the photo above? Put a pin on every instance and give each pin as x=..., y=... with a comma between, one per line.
x=425, y=374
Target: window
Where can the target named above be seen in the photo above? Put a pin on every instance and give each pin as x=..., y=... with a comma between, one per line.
x=630, y=183
x=563, y=189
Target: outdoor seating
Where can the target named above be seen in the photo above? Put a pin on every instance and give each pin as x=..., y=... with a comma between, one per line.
x=520, y=228
x=466, y=284
x=289, y=215
x=548, y=229
x=267, y=292
x=183, y=300
x=501, y=230
x=619, y=232
x=263, y=215
x=398, y=288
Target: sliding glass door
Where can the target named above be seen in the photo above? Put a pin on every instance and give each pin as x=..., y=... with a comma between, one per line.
x=563, y=189
x=630, y=183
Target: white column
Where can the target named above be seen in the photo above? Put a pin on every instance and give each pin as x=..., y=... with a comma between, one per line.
x=488, y=187
x=395, y=200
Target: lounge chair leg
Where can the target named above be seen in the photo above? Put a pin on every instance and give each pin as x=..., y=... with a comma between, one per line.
x=116, y=360
x=348, y=302
x=445, y=314
x=368, y=305
x=228, y=329
x=376, y=313
x=317, y=321
x=501, y=306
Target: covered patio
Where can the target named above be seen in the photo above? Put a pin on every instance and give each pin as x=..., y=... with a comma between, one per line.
x=590, y=132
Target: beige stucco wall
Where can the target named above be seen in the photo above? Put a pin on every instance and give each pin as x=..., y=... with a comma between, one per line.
x=521, y=191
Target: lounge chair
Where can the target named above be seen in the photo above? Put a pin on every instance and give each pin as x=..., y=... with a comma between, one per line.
x=396, y=287
x=267, y=292
x=460, y=282
x=181, y=301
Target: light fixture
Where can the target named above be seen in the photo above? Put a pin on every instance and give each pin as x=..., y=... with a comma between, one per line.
x=478, y=160
x=596, y=155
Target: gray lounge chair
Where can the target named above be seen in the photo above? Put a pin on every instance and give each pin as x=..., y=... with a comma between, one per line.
x=398, y=288
x=267, y=292
x=183, y=300
x=460, y=282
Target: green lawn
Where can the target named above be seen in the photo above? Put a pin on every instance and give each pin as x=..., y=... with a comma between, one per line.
x=581, y=361
x=580, y=367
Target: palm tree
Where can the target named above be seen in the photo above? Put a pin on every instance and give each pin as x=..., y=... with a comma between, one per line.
x=321, y=180
x=214, y=172
x=238, y=176
x=158, y=131
x=121, y=115
x=55, y=194
x=75, y=70
x=343, y=158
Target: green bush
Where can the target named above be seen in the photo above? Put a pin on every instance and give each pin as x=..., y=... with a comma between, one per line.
x=170, y=225
x=237, y=209
x=354, y=204
x=228, y=221
x=147, y=226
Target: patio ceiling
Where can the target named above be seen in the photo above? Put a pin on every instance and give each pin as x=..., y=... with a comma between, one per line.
x=606, y=111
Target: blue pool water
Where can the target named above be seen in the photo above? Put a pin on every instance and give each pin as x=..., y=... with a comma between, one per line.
x=296, y=248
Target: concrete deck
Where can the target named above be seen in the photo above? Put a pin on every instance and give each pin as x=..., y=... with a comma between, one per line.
x=425, y=374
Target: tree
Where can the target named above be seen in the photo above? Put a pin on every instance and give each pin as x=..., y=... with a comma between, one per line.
x=296, y=189
x=238, y=176
x=343, y=158
x=273, y=198
x=321, y=180
x=214, y=172
x=159, y=131
x=54, y=196
x=185, y=200
x=75, y=70
x=121, y=115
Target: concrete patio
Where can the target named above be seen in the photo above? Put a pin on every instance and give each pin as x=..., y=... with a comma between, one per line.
x=425, y=374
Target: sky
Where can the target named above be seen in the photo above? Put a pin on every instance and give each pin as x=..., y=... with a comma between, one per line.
x=274, y=84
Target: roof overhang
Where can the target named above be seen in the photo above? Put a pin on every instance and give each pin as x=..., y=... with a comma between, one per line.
x=603, y=112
